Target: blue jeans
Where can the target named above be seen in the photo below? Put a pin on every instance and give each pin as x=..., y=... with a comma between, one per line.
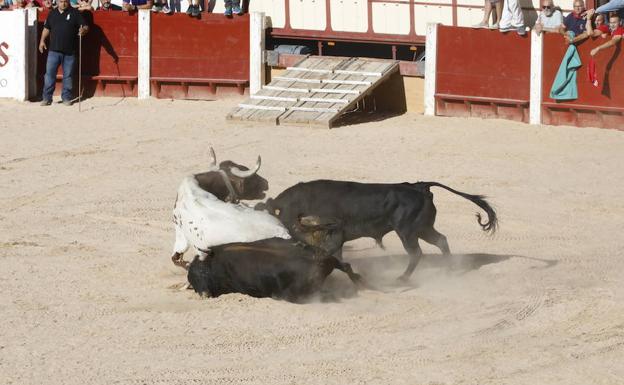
x=54, y=60
x=232, y=3
x=612, y=5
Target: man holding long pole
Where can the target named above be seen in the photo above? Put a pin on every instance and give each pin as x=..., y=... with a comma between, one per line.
x=63, y=25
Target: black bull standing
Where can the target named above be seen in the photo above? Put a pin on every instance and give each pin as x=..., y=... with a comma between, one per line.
x=371, y=210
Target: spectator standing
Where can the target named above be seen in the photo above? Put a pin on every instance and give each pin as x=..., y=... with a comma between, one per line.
x=576, y=22
x=616, y=35
x=106, y=5
x=134, y=5
x=550, y=19
x=62, y=25
x=600, y=28
x=84, y=5
x=193, y=8
x=512, y=18
x=494, y=8
x=161, y=6
x=232, y=7
x=17, y=4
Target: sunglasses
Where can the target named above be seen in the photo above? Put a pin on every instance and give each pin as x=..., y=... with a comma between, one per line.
x=546, y=7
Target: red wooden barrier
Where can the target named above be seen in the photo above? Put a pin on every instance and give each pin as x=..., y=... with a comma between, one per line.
x=109, y=54
x=195, y=58
x=601, y=106
x=482, y=73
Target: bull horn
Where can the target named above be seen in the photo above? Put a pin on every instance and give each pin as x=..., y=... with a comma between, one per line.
x=246, y=174
x=213, y=160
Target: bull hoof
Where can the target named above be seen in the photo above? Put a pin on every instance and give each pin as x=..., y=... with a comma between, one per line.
x=403, y=278
x=178, y=260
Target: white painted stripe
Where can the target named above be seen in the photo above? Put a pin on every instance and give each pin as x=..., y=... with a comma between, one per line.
x=291, y=79
x=361, y=73
x=144, y=53
x=279, y=98
x=310, y=70
x=324, y=100
x=257, y=74
x=431, y=47
x=535, y=100
x=21, y=89
x=259, y=107
x=335, y=91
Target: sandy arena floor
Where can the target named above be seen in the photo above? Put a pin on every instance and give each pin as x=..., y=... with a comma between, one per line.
x=86, y=235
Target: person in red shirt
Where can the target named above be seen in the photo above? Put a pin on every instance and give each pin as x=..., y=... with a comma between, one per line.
x=28, y=4
x=596, y=26
x=616, y=35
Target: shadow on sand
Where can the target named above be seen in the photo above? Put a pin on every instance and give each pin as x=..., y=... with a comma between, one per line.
x=381, y=272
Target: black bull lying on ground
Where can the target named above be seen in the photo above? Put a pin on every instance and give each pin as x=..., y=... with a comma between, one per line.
x=369, y=210
x=273, y=267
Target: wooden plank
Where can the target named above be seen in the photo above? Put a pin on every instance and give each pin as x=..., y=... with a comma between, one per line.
x=314, y=109
x=388, y=71
x=261, y=107
x=273, y=115
x=339, y=81
x=341, y=84
x=317, y=117
x=280, y=98
x=276, y=88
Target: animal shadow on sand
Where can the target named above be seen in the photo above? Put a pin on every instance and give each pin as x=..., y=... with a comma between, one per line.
x=381, y=273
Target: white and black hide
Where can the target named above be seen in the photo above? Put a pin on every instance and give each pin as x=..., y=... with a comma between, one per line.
x=203, y=221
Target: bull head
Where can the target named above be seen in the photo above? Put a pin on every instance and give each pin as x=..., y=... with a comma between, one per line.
x=231, y=182
x=324, y=234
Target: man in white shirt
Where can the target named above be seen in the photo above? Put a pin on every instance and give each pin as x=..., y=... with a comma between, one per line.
x=550, y=19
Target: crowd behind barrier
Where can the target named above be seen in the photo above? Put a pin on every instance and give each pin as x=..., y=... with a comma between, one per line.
x=603, y=29
x=191, y=7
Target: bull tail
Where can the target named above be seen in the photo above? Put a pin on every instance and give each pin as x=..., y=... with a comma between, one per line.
x=492, y=222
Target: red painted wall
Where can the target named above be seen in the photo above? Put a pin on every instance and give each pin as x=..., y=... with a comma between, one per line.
x=210, y=50
x=109, y=50
x=482, y=73
x=481, y=62
x=111, y=46
x=608, y=97
x=190, y=57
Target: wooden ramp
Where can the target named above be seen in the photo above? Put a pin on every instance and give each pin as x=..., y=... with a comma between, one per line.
x=318, y=90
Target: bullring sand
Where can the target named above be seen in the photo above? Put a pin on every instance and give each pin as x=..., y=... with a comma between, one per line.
x=86, y=233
